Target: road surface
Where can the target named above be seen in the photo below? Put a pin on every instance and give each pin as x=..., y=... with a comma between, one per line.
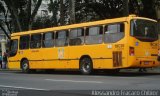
x=73, y=83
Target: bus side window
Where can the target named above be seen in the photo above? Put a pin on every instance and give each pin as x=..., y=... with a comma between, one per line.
x=24, y=42
x=48, y=40
x=76, y=36
x=61, y=38
x=35, y=41
x=114, y=32
x=94, y=35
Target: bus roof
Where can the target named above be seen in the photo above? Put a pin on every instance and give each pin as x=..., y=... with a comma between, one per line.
x=86, y=24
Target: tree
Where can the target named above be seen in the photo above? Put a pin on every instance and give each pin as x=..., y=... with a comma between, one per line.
x=14, y=13
x=75, y=11
x=42, y=22
x=33, y=14
x=72, y=11
x=4, y=20
x=148, y=9
x=145, y=8
x=54, y=7
x=62, y=12
x=157, y=8
x=22, y=13
x=126, y=7
x=99, y=9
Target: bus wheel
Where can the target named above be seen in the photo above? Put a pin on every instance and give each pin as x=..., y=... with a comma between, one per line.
x=25, y=66
x=86, y=66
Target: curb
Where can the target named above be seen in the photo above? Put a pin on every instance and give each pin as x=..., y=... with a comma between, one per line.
x=10, y=70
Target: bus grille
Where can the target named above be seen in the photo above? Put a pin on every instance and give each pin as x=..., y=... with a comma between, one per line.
x=117, y=58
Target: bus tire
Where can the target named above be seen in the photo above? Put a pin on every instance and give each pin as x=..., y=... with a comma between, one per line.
x=25, y=66
x=86, y=66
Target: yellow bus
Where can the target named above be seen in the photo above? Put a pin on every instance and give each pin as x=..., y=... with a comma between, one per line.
x=111, y=44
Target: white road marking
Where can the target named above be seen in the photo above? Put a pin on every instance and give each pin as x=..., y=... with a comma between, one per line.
x=56, y=80
x=37, y=89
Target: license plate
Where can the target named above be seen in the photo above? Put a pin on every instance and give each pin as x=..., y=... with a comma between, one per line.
x=146, y=63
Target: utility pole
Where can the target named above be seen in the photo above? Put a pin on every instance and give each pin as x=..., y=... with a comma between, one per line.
x=126, y=7
x=3, y=42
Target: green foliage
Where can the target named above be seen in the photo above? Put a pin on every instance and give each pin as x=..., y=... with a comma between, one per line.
x=4, y=20
x=97, y=10
x=23, y=13
x=54, y=8
x=2, y=9
x=42, y=22
x=85, y=11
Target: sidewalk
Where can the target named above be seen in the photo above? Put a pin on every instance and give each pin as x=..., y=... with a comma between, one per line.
x=10, y=69
x=149, y=70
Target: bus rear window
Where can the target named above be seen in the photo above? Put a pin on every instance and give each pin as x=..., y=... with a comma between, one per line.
x=144, y=30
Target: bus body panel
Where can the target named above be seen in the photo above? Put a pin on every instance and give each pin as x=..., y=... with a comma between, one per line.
x=104, y=56
x=145, y=53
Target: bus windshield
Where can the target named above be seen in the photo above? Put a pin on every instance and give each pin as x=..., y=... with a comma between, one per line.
x=13, y=48
x=144, y=30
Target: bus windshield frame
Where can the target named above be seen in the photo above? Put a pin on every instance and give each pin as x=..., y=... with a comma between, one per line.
x=144, y=30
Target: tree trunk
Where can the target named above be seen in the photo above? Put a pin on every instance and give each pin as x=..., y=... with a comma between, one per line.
x=72, y=11
x=5, y=32
x=62, y=14
x=39, y=2
x=54, y=12
x=13, y=11
x=158, y=12
x=157, y=8
x=158, y=18
x=29, y=14
x=126, y=7
x=5, y=13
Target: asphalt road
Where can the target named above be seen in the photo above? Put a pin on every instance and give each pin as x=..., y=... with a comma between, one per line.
x=16, y=83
